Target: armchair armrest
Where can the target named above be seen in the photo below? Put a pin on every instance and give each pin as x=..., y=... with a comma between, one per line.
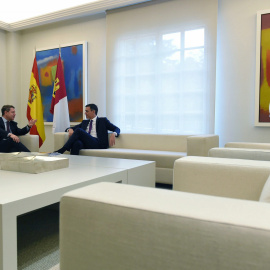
x=60, y=138
x=199, y=145
x=31, y=142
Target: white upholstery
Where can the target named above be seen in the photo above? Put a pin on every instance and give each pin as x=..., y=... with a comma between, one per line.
x=248, y=145
x=164, y=159
x=240, y=153
x=174, y=143
x=60, y=138
x=163, y=149
x=200, y=145
x=265, y=195
x=112, y=226
x=31, y=142
x=234, y=178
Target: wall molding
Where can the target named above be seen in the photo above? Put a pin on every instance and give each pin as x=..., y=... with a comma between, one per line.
x=70, y=13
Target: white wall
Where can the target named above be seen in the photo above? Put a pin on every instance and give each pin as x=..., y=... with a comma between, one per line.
x=236, y=69
x=3, y=63
x=13, y=72
x=92, y=30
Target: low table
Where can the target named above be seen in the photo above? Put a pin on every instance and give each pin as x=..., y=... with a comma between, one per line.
x=21, y=193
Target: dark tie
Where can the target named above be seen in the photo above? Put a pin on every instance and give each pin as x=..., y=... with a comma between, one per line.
x=90, y=127
x=8, y=127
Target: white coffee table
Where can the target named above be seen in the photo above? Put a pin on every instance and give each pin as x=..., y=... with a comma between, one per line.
x=22, y=192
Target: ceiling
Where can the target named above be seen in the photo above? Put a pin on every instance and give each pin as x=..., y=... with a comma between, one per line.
x=17, y=15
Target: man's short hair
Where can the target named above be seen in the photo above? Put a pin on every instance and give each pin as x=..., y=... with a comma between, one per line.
x=93, y=107
x=6, y=108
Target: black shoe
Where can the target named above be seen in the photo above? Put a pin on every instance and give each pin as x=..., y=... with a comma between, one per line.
x=61, y=150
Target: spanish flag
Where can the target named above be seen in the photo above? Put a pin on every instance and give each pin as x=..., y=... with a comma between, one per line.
x=34, y=105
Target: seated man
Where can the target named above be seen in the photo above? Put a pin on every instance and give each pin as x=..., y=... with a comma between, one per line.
x=9, y=131
x=91, y=133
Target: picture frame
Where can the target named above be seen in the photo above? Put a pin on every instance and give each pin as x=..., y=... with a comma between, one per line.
x=74, y=60
x=262, y=81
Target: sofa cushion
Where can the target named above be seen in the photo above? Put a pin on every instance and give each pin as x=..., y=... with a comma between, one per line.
x=265, y=195
x=177, y=143
x=164, y=159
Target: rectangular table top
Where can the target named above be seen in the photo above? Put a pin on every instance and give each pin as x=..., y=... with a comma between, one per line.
x=16, y=186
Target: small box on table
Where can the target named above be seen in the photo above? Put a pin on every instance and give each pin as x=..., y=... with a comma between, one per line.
x=31, y=162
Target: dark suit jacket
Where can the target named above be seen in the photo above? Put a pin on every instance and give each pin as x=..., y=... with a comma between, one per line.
x=14, y=129
x=102, y=126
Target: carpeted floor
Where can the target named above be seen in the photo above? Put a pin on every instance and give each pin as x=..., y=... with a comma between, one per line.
x=38, y=240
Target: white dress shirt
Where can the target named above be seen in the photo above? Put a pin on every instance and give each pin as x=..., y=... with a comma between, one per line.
x=94, y=127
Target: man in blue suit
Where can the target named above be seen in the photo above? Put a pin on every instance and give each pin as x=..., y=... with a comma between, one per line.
x=91, y=133
x=9, y=131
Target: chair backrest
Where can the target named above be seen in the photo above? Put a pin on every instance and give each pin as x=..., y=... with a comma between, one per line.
x=250, y=145
x=232, y=178
x=176, y=143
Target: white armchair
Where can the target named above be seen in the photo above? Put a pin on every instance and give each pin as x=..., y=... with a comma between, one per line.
x=117, y=226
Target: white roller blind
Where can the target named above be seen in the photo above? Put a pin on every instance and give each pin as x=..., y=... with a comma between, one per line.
x=161, y=67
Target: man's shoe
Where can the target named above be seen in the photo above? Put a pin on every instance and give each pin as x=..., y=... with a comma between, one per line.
x=61, y=150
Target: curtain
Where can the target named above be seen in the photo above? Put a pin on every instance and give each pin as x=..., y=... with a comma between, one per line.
x=161, y=67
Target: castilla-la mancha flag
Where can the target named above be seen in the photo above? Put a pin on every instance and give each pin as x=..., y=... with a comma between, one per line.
x=59, y=105
x=34, y=105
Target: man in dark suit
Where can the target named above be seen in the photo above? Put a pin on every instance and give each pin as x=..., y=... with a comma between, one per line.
x=9, y=131
x=91, y=133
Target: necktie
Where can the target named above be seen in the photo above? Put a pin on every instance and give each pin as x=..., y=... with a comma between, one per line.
x=90, y=126
x=8, y=127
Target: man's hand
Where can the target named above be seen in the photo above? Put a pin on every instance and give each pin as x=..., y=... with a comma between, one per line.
x=32, y=122
x=112, y=140
x=14, y=138
x=70, y=132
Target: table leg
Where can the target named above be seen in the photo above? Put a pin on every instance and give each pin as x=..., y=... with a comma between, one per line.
x=8, y=240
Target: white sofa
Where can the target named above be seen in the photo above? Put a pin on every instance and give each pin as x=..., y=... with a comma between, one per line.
x=163, y=149
x=31, y=142
x=115, y=226
x=233, y=178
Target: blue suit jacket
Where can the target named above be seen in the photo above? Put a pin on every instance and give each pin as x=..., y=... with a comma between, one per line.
x=14, y=128
x=103, y=125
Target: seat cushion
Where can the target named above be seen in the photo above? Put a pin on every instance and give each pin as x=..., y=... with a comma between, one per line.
x=163, y=159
